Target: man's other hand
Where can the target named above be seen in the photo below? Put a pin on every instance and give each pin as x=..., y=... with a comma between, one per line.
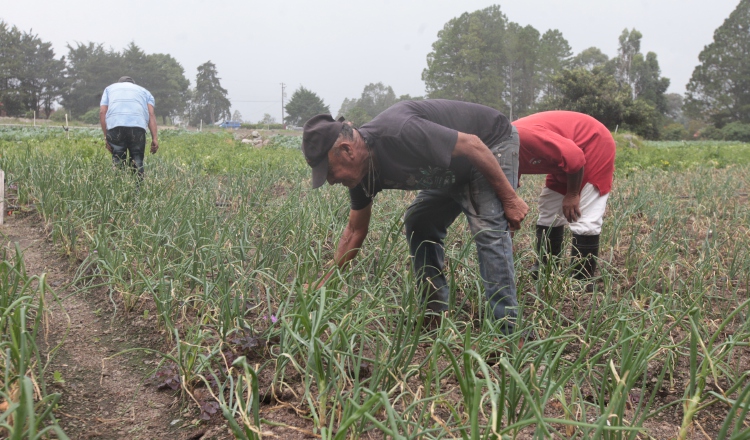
x=515, y=212
x=572, y=207
x=154, y=146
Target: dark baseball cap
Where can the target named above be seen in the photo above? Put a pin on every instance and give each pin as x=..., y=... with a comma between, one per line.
x=126, y=79
x=318, y=136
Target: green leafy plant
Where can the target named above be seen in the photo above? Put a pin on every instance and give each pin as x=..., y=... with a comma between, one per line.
x=21, y=314
x=227, y=246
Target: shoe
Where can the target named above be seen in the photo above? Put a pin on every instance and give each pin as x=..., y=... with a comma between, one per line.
x=526, y=336
x=584, y=254
x=433, y=320
x=493, y=357
x=548, y=242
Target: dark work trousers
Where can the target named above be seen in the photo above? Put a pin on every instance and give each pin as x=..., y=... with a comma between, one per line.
x=128, y=141
x=431, y=213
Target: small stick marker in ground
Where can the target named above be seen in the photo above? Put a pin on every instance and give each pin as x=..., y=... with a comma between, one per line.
x=2, y=196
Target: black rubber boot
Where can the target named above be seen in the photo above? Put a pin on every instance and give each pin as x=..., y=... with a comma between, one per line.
x=583, y=254
x=548, y=242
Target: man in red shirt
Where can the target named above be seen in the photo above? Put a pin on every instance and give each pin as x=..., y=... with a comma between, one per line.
x=577, y=153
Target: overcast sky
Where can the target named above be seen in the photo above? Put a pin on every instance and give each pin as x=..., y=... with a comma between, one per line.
x=335, y=48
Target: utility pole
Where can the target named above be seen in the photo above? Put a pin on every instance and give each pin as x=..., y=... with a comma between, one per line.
x=282, y=103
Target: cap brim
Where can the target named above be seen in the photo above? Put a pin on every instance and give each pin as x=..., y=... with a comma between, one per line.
x=320, y=173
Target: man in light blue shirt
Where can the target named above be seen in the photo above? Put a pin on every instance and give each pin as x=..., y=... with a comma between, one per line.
x=125, y=111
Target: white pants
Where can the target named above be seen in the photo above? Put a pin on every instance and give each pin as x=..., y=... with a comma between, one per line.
x=592, y=210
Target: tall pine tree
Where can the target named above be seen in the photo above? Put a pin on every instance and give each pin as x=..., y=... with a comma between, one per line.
x=210, y=103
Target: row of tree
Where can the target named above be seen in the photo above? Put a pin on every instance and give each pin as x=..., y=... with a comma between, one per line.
x=90, y=68
x=485, y=58
x=479, y=56
x=30, y=76
x=375, y=98
x=33, y=80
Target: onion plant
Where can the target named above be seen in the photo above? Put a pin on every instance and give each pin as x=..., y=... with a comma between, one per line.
x=27, y=408
x=227, y=245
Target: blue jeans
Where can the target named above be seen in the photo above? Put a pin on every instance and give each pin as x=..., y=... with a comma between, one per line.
x=128, y=140
x=427, y=220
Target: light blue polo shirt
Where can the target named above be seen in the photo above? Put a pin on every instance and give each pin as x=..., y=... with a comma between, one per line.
x=127, y=105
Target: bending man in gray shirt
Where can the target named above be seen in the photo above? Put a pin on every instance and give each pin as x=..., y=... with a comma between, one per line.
x=463, y=158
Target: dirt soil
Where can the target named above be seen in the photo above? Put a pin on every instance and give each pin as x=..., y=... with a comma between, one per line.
x=104, y=396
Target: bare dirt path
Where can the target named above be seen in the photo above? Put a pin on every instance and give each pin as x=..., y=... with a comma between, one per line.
x=103, y=397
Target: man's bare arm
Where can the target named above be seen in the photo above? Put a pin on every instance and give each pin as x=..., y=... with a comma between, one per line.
x=103, y=122
x=152, y=128
x=351, y=240
x=572, y=200
x=483, y=160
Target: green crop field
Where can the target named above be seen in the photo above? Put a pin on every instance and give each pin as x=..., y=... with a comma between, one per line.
x=222, y=242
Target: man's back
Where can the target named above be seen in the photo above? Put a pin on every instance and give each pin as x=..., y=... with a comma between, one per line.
x=552, y=142
x=127, y=105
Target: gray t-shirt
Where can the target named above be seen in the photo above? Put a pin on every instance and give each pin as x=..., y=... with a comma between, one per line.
x=412, y=143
